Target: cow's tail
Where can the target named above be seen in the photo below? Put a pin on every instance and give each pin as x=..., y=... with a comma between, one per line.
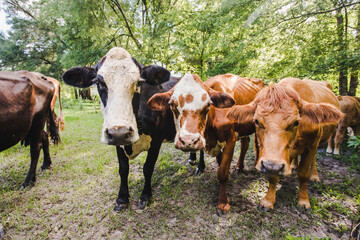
x=61, y=115
x=54, y=133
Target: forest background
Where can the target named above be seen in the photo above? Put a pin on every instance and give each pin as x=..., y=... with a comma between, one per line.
x=267, y=39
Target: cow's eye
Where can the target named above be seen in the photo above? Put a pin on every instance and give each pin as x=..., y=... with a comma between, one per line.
x=257, y=123
x=296, y=123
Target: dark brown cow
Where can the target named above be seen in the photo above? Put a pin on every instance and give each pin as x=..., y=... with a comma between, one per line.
x=291, y=118
x=350, y=107
x=200, y=124
x=25, y=99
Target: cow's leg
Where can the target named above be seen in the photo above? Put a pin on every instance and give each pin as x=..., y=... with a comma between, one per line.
x=294, y=163
x=314, y=176
x=123, y=198
x=223, y=174
x=35, y=147
x=45, y=147
x=356, y=130
x=148, y=170
x=192, y=158
x=308, y=157
x=219, y=158
x=269, y=200
x=340, y=133
x=330, y=146
x=239, y=168
x=201, y=166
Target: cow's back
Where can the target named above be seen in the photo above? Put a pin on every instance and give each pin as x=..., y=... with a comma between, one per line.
x=314, y=92
x=243, y=90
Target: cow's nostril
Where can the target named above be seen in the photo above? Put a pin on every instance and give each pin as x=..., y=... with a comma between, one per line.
x=131, y=130
x=181, y=141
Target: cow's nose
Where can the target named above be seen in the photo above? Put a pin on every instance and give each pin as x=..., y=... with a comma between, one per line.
x=189, y=143
x=119, y=135
x=271, y=167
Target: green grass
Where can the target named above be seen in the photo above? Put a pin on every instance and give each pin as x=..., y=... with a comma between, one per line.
x=74, y=199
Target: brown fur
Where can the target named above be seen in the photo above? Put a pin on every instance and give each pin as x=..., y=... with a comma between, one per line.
x=292, y=117
x=350, y=107
x=224, y=91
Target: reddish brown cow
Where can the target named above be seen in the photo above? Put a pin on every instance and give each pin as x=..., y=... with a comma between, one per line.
x=350, y=107
x=291, y=118
x=25, y=99
x=59, y=120
x=200, y=124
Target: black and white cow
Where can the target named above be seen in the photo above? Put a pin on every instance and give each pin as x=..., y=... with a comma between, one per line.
x=125, y=86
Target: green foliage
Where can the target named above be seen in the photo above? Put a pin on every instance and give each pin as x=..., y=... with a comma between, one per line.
x=354, y=142
x=264, y=39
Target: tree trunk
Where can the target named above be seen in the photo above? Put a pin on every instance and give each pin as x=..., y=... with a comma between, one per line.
x=354, y=82
x=85, y=94
x=343, y=71
x=354, y=78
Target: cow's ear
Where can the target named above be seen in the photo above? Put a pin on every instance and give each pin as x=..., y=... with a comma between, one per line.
x=319, y=113
x=221, y=99
x=242, y=114
x=155, y=75
x=81, y=77
x=160, y=101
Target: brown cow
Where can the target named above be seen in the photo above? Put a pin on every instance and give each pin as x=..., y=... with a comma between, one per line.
x=25, y=99
x=200, y=124
x=291, y=118
x=59, y=120
x=350, y=107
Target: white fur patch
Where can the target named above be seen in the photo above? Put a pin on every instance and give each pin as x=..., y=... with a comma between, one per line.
x=121, y=76
x=188, y=86
x=143, y=144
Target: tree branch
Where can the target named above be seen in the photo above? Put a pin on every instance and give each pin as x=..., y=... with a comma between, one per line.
x=113, y=3
x=318, y=13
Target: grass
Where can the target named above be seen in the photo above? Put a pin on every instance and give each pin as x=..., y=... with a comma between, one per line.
x=74, y=199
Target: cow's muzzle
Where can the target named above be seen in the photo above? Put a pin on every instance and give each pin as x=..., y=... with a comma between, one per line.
x=189, y=143
x=119, y=135
x=271, y=167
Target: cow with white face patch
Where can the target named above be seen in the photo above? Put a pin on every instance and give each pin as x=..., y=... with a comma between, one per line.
x=202, y=125
x=124, y=86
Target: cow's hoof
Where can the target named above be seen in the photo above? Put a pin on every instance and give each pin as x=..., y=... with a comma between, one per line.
x=191, y=162
x=43, y=168
x=27, y=184
x=224, y=207
x=199, y=171
x=314, y=178
x=263, y=208
x=141, y=204
x=239, y=171
x=219, y=212
x=304, y=203
x=120, y=207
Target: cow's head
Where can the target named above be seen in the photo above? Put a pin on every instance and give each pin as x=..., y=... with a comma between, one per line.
x=117, y=76
x=190, y=100
x=279, y=115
